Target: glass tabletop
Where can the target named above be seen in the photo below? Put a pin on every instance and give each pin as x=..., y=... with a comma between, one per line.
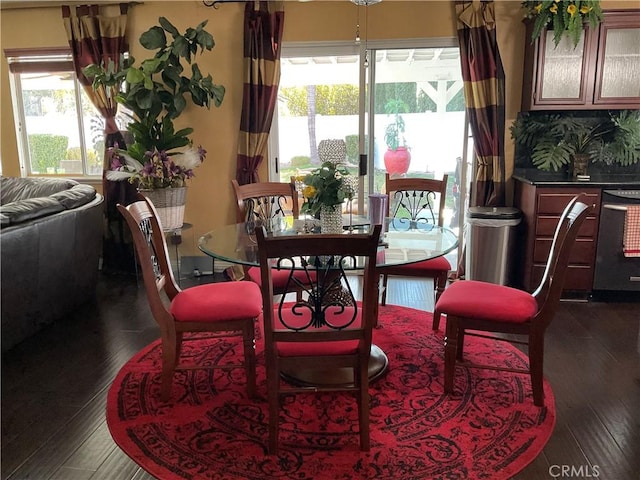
x=401, y=243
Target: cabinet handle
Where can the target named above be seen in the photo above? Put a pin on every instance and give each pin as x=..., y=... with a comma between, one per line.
x=620, y=208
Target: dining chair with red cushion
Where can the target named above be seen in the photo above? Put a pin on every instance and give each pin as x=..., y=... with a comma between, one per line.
x=473, y=307
x=329, y=328
x=419, y=203
x=260, y=203
x=264, y=201
x=215, y=310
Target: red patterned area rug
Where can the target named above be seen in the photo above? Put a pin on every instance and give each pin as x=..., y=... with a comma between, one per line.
x=489, y=429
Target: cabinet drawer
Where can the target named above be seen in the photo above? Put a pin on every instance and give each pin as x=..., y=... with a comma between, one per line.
x=581, y=253
x=578, y=277
x=546, y=227
x=555, y=203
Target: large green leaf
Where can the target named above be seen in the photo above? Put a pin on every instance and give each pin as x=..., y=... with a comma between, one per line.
x=171, y=78
x=151, y=65
x=168, y=26
x=625, y=148
x=144, y=99
x=154, y=38
x=179, y=103
x=196, y=74
x=550, y=156
x=205, y=40
x=135, y=76
x=181, y=48
x=183, y=132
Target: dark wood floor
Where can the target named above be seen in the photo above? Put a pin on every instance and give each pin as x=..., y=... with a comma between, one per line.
x=54, y=389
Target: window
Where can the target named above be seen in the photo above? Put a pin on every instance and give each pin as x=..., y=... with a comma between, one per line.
x=307, y=113
x=59, y=130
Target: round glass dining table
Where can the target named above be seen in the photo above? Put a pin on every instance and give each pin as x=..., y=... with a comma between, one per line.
x=401, y=243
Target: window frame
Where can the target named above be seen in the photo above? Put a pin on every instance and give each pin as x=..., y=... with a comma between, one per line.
x=47, y=61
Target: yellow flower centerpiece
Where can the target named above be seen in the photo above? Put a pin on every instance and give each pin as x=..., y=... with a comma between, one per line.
x=325, y=186
x=324, y=190
x=565, y=17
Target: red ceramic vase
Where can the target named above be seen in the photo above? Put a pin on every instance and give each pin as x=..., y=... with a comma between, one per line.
x=397, y=161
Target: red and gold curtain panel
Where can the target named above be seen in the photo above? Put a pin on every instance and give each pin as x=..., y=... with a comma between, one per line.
x=484, y=80
x=263, y=27
x=97, y=34
x=97, y=38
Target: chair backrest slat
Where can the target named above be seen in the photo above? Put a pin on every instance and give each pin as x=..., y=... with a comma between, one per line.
x=265, y=200
x=152, y=256
x=328, y=307
x=550, y=288
x=417, y=199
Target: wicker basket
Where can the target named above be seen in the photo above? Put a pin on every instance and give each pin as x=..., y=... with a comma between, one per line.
x=169, y=203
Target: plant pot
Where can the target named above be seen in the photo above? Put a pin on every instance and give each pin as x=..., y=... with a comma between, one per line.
x=397, y=161
x=579, y=165
x=169, y=203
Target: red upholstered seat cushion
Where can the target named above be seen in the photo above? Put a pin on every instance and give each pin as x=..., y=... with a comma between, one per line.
x=487, y=301
x=290, y=349
x=438, y=264
x=217, y=302
x=278, y=277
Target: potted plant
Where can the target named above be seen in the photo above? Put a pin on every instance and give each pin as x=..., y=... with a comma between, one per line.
x=156, y=92
x=556, y=140
x=397, y=157
x=565, y=17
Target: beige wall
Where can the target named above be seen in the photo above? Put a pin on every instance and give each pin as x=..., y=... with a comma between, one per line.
x=209, y=201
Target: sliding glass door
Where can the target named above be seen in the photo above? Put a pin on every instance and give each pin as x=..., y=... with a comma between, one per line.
x=413, y=88
x=418, y=106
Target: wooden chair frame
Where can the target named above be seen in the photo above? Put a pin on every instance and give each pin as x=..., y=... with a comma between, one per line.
x=318, y=297
x=265, y=200
x=152, y=254
x=414, y=199
x=262, y=202
x=547, y=297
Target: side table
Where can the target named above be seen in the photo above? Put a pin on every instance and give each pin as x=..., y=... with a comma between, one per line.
x=175, y=238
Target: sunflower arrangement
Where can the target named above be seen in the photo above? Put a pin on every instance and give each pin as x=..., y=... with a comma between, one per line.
x=325, y=186
x=565, y=17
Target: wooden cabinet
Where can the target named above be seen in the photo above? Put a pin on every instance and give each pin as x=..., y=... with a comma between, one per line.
x=600, y=73
x=541, y=209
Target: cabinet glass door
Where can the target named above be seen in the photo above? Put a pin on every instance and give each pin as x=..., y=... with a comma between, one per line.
x=620, y=65
x=562, y=71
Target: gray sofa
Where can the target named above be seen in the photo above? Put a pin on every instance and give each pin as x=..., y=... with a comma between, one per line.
x=50, y=247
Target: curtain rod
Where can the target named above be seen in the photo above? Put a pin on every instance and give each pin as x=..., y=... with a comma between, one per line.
x=25, y=4
x=216, y=3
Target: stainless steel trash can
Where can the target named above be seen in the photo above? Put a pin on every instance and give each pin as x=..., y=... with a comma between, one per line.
x=491, y=240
